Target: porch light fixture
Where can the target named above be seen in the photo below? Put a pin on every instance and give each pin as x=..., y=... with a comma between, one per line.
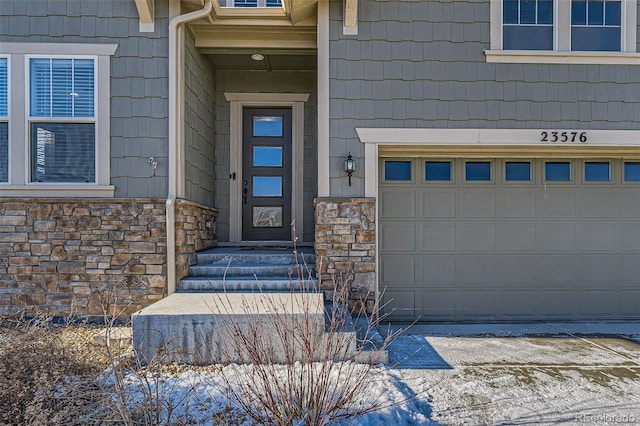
x=349, y=166
x=257, y=57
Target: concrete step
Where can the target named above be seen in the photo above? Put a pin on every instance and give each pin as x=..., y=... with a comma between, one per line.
x=229, y=256
x=251, y=270
x=199, y=328
x=233, y=284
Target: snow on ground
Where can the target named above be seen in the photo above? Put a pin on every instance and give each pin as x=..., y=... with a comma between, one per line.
x=482, y=380
x=471, y=380
x=199, y=396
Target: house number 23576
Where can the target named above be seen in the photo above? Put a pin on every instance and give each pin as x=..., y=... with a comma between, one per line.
x=563, y=136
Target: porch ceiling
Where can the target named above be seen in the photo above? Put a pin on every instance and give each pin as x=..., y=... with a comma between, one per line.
x=274, y=60
x=286, y=37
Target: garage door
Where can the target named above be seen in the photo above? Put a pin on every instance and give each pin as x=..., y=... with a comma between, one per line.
x=503, y=240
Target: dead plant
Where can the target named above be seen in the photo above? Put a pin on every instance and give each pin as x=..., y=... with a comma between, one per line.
x=44, y=381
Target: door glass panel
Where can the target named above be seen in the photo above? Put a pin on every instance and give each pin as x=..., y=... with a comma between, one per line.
x=557, y=171
x=517, y=170
x=437, y=170
x=267, y=156
x=264, y=125
x=267, y=186
x=267, y=217
x=597, y=172
x=477, y=170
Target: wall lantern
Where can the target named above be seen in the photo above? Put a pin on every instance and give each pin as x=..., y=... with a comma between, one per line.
x=349, y=166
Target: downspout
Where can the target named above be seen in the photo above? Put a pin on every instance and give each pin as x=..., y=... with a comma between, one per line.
x=176, y=79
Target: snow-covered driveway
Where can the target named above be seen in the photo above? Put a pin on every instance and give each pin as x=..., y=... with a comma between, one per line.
x=522, y=380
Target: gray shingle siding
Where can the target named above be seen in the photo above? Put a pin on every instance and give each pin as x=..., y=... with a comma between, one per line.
x=431, y=53
x=139, y=76
x=199, y=125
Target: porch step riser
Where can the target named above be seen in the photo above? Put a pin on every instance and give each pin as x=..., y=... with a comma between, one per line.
x=244, y=270
x=256, y=259
x=230, y=284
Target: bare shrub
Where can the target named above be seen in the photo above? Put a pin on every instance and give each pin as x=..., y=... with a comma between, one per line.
x=284, y=373
x=44, y=381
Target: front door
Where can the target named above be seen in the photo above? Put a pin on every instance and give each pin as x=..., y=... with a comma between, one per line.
x=266, y=174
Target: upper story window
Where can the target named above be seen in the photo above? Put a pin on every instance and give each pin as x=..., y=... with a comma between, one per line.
x=58, y=140
x=564, y=31
x=4, y=122
x=596, y=25
x=251, y=3
x=527, y=24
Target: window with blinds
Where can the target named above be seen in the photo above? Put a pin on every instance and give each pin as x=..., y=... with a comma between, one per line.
x=62, y=119
x=4, y=124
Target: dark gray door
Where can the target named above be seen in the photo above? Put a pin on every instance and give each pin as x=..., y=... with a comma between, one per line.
x=266, y=174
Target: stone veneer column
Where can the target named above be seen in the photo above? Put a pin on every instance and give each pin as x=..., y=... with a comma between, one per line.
x=195, y=231
x=345, y=247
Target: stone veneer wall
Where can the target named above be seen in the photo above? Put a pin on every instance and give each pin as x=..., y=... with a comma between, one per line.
x=345, y=247
x=196, y=227
x=60, y=255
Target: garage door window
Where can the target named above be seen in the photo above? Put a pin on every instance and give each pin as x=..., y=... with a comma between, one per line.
x=557, y=171
x=597, y=172
x=437, y=170
x=397, y=170
x=632, y=172
x=517, y=171
x=477, y=170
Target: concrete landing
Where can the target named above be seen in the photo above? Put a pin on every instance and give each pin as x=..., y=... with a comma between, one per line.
x=199, y=328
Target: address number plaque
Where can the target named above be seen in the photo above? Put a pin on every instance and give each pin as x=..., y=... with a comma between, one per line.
x=564, y=136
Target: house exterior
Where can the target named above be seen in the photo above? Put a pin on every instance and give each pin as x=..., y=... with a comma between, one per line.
x=496, y=147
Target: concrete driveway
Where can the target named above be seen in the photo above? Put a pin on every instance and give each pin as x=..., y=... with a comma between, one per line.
x=523, y=374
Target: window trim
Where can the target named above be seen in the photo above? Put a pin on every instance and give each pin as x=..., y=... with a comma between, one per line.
x=561, y=53
x=19, y=184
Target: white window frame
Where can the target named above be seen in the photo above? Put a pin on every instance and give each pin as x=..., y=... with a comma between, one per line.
x=62, y=120
x=561, y=53
x=19, y=184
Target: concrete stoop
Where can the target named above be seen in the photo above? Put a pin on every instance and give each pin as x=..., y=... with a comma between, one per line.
x=209, y=328
x=233, y=294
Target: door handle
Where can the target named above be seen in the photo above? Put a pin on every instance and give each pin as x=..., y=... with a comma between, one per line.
x=245, y=191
